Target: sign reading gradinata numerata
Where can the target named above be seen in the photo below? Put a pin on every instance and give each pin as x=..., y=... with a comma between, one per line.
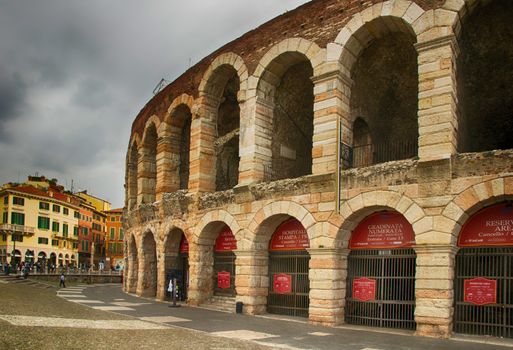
x=364, y=289
x=225, y=241
x=282, y=283
x=223, y=279
x=290, y=235
x=480, y=291
x=184, y=245
x=383, y=230
x=491, y=226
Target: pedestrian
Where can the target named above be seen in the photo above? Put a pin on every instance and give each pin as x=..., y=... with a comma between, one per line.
x=62, y=281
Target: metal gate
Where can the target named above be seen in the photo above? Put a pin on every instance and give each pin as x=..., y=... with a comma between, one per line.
x=294, y=263
x=184, y=283
x=490, y=319
x=394, y=273
x=224, y=261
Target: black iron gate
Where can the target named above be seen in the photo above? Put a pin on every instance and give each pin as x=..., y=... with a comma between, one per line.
x=184, y=283
x=393, y=304
x=224, y=261
x=293, y=263
x=490, y=319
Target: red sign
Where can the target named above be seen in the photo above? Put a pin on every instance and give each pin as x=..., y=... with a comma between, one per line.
x=290, y=235
x=489, y=227
x=282, y=283
x=225, y=241
x=364, y=289
x=223, y=279
x=184, y=245
x=382, y=230
x=480, y=291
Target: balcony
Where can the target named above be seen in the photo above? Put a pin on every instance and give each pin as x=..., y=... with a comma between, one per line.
x=10, y=229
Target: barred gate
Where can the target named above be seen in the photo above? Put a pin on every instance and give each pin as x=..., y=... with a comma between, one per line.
x=224, y=261
x=490, y=319
x=394, y=302
x=294, y=263
x=184, y=285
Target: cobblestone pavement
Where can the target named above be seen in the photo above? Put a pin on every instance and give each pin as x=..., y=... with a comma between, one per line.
x=291, y=333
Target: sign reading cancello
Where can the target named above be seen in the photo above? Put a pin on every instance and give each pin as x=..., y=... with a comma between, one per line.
x=290, y=235
x=492, y=226
x=383, y=230
x=225, y=241
x=184, y=245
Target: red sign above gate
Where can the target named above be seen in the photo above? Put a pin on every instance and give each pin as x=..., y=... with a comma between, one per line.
x=223, y=279
x=184, y=245
x=290, y=235
x=282, y=283
x=489, y=227
x=364, y=289
x=382, y=230
x=225, y=241
x=480, y=291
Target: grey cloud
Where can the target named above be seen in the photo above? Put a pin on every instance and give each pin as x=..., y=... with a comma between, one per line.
x=13, y=93
x=91, y=93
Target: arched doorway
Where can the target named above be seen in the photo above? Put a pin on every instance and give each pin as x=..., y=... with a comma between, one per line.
x=176, y=263
x=15, y=257
x=289, y=285
x=61, y=260
x=483, y=288
x=148, y=279
x=224, y=263
x=381, y=273
x=29, y=256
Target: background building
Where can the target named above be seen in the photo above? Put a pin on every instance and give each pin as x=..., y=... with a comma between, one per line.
x=115, y=238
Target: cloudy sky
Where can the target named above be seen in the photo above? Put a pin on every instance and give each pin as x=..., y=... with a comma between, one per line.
x=74, y=74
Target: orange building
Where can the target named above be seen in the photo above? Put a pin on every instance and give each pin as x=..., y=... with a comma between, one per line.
x=114, y=238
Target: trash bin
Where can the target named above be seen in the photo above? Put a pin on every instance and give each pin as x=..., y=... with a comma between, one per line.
x=238, y=307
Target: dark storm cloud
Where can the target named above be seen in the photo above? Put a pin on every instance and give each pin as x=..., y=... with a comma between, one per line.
x=13, y=92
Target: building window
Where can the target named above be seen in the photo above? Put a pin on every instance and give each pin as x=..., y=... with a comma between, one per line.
x=4, y=237
x=75, y=230
x=44, y=206
x=65, y=230
x=18, y=201
x=55, y=242
x=5, y=216
x=17, y=218
x=17, y=238
x=42, y=240
x=65, y=211
x=55, y=226
x=6, y=200
x=43, y=222
x=75, y=245
x=56, y=208
x=85, y=231
x=77, y=214
x=121, y=234
x=112, y=233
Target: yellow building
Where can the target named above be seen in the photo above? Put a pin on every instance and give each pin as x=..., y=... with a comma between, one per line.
x=39, y=223
x=100, y=204
x=115, y=237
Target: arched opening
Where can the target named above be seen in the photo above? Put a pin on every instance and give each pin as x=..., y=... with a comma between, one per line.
x=149, y=165
x=179, y=123
x=176, y=262
x=287, y=91
x=362, y=144
x=61, y=260
x=227, y=127
x=133, y=266
x=29, y=256
x=53, y=259
x=224, y=263
x=66, y=260
x=289, y=284
x=483, y=287
x=381, y=272
x=485, y=78
x=385, y=95
x=148, y=278
x=133, y=160
x=15, y=257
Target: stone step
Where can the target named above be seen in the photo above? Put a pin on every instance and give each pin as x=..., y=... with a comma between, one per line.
x=220, y=303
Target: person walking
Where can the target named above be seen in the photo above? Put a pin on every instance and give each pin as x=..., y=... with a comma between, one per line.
x=62, y=281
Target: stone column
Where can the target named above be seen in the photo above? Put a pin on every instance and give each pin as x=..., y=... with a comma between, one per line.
x=255, y=140
x=434, y=290
x=438, y=115
x=201, y=267
x=166, y=167
x=252, y=280
x=332, y=91
x=162, y=263
x=146, y=177
x=328, y=272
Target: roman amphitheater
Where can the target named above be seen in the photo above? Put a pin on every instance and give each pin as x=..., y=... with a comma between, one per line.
x=348, y=162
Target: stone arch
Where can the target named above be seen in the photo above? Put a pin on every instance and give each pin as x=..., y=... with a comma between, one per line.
x=147, y=281
x=266, y=220
x=358, y=207
x=183, y=99
x=209, y=81
x=147, y=167
x=132, y=160
x=372, y=23
x=132, y=263
x=216, y=217
x=471, y=200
